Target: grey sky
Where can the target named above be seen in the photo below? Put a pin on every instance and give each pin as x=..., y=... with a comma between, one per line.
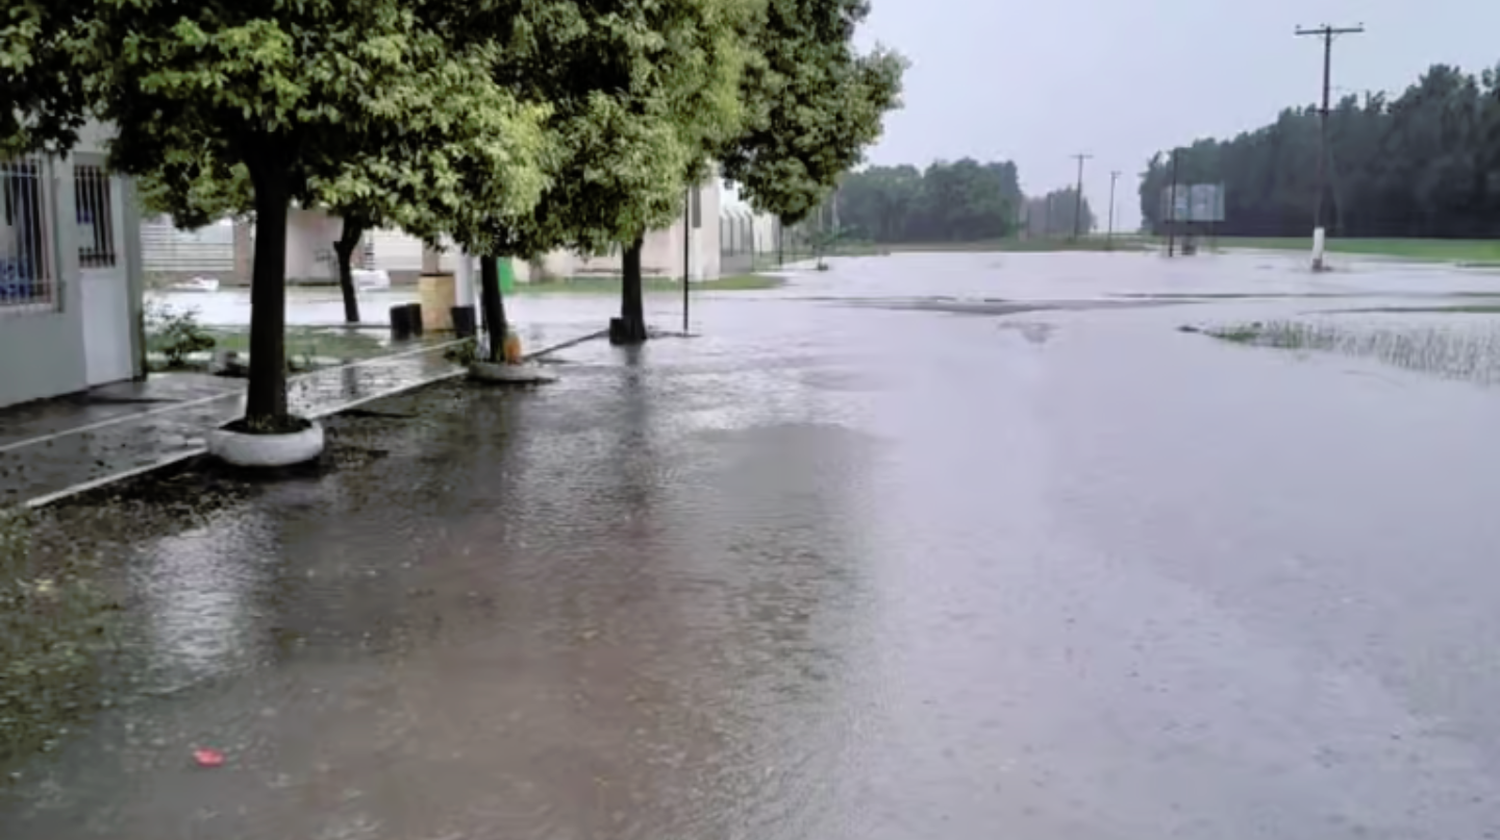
x=1036, y=82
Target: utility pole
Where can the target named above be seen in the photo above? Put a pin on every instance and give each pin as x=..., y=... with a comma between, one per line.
x=1109, y=236
x=1078, y=197
x=1172, y=209
x=1327, y=33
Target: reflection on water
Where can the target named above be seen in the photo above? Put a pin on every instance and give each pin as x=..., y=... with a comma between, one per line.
x=840, y=573
x=200, y=593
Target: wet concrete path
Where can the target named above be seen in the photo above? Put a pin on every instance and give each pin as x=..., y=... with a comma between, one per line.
x=834, y=571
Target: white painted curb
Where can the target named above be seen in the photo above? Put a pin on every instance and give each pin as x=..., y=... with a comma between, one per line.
x=522, y=374
x=244, y=450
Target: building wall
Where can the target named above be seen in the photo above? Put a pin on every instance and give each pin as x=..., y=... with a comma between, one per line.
x=309, y=246
x=310, y=236
x=43, y=352
x=171, y=255
x=662, y=250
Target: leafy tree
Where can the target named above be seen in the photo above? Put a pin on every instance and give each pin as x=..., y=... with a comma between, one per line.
x=1051, y=215
x=333, y=99
x=1426, y=163
x=963, y=201
x=640, y=88
x=813, y=104
x=45, y=99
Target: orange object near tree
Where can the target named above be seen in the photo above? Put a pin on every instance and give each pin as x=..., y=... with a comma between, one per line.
x=511, y=349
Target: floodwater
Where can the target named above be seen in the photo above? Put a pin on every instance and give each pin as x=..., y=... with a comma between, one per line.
x=951, y=546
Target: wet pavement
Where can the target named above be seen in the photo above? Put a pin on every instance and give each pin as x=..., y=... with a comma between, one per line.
x=841, y=567
x=56, y=446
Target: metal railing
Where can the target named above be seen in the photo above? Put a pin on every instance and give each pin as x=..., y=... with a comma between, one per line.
x=96, y=218
x=27, y=274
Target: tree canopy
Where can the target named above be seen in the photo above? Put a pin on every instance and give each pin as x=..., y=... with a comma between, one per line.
x=1051, y=216
x=639, y=93
x=963, y=201
x=1426, y=163
x=813, y=104
x=321, y=100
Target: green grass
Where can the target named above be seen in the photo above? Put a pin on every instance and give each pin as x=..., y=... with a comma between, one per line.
x=1471, y=354
x=1025, y=246
x=1460, y=309
x=610, y=285
x=1479, y=252
x=57, y=627
x=313, y=342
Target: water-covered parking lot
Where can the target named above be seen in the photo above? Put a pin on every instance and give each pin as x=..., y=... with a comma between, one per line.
x=921, y=546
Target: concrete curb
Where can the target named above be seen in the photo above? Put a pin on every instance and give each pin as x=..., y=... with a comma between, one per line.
x=186, y=455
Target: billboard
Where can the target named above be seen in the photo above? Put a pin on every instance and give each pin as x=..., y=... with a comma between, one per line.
x=1193, y=203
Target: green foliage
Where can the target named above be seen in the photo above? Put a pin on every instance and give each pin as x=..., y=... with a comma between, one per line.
x=44, y=99
x=175, y=333
x=1425, y=164
x=1052, y=215
x=641, y=92
x=464, y=353
x=812, y=103
x=964, y=201
x=55, y=624
x=356, y=104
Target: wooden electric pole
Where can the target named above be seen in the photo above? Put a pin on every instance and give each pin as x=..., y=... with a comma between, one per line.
x=1078, y=197
x=1109, y=236
x=1327, y=33
x=1172, y=210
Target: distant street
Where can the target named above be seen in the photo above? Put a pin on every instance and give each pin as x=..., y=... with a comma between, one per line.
x=926, y=546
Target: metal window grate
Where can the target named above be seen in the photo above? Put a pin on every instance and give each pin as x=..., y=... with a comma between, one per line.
x=96, y=227
x=26, y=277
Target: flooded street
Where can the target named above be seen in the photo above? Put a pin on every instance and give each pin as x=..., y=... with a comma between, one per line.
x=950, y=546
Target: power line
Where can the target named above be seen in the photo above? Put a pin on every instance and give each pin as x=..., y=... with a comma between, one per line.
x=1078, y=196
x=1327, y=33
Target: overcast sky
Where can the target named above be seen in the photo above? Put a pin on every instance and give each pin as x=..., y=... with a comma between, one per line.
x=1035, y=82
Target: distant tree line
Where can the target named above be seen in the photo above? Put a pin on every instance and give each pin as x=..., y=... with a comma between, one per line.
x=964, y=201
x=1051, y=216
x=1425, y=164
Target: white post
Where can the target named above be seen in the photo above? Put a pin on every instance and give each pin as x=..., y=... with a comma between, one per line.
x=463, y=279
x=1318, y=243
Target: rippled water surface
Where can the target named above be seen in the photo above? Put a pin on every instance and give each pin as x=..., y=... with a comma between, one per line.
x=964, y=546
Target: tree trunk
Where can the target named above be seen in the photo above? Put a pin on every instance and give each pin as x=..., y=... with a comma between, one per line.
x=493, y=305
x=265, y=406
x=630, y=328
x=432, y=260
x=354, y=231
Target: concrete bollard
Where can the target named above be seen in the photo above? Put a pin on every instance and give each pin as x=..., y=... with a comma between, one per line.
x=400, y=323
x=463, y=321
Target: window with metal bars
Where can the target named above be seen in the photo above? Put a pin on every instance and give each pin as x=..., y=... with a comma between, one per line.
x=26, y=278
x=96, y=230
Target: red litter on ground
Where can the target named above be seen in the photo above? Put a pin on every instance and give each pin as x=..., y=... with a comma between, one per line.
x=208, y=758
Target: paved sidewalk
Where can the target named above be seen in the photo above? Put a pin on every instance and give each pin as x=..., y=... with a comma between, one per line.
x=56, y=448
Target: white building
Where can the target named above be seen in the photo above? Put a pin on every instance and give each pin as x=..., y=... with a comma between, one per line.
x=71, y=281
x=311, y=234
x=746, y=238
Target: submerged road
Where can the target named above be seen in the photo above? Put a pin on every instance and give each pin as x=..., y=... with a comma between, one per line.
x=884, y=555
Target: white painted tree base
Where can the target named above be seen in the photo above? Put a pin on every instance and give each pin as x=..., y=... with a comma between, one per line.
x=509, y=374
x=244, y=450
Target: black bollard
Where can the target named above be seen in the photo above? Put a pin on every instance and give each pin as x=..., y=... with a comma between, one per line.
x=400, y=323
x=463, y=321
x=414, y=311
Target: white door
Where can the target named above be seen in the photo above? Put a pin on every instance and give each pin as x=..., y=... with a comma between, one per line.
x=102, y=272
